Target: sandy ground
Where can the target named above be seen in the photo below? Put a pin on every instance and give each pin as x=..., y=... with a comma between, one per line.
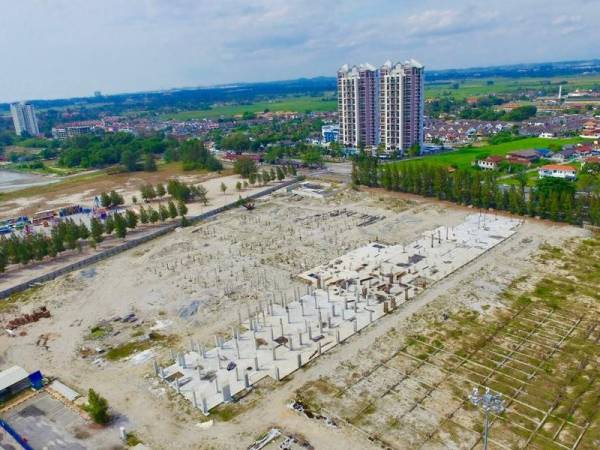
x=220, y=267
x=17, y=274
x=83, y=187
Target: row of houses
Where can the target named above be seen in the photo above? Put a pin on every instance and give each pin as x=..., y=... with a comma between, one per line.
x=583, y=153
x=461, y=131
x=571, y=152
x=464, y=131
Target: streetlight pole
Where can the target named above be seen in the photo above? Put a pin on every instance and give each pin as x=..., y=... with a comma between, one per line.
x=489, y=403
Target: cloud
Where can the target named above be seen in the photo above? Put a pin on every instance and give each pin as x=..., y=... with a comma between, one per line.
x=58, y=48
x=568, y=24
x=449, y=21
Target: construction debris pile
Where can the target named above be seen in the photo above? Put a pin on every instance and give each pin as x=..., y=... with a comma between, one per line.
x=41, y=312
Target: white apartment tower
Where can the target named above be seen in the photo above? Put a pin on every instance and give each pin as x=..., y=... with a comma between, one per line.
x=401, y=105
x=24, y=120
x=358, y=93
x=382, y=106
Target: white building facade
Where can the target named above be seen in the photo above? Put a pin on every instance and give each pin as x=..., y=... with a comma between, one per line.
x=358, y=94
x=382, y=106
x=24, y=119
x=402, y=104
x=558, y=171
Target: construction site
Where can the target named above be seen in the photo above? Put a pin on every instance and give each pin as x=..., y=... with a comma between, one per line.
x=343, y=319
x=352, y=291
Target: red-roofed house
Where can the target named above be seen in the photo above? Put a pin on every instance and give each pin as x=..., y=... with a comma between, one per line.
x=592, y=160
x=583, y=150
x=490, y=163
x=558, y=171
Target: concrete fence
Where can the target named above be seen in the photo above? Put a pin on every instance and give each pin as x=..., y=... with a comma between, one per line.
x=133, y=243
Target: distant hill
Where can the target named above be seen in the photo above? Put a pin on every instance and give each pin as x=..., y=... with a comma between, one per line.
x=203, y=97
x=551, y=69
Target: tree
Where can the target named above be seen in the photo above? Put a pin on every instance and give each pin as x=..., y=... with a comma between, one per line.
x=129, y=159
x=238, y=186
x=252, y=179
x=96, y=230
x=143, y=215
x=266, y=177
x=149, y=163
x=83, y=231
x=148, y=192
x=163, y=212
x=312, y=157
x=3, y=259
x=97, y=408
x=223, y=187
x=131, y=219
x=244, y=167
x=280, y=174
x=160, y=190
x=238, y=142
x=172, y=209
x=105, y=200
x=182, y=209
x=71, y=235
x=153, y=215
x=201, y=194
x=194, y=155
x=178, y=190
x=120, y=226
x=116, y=199
x=521, y=113
x=109, y=225
x=134, y=200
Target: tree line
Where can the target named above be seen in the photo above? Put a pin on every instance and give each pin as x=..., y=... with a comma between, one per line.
x=247, y=168
x=69, y=235
x=134, y=153
x=178, y=190
x=551, y=198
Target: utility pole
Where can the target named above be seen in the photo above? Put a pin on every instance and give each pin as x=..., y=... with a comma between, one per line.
x=489, y=403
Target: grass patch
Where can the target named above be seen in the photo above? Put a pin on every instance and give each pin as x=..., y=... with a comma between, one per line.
x=129, y=348
x=285, y=104
x=132, y=440
x=99, y=332
x=10, y=302
x=479, y=87
x=463, y=157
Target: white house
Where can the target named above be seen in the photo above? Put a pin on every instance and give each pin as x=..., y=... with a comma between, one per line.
x=558, y=171
x=490, y=163
x=546, y=135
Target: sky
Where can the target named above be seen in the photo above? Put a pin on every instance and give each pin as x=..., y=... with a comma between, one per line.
x=66, y=48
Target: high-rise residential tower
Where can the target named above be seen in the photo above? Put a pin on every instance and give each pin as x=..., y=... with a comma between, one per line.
x=382, y=106
x=401, y=105
x=358, y=97
x=24, y=120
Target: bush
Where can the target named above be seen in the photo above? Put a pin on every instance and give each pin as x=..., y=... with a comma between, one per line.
x=97, y=407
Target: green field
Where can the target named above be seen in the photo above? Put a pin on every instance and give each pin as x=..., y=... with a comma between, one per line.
x=292, y=104
x=468, y=88
x=477, y=87
x=463, y=157
x=532, y=177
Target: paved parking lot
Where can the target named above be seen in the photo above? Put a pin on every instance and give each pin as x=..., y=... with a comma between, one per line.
x=49, y=424
x=7, y=442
